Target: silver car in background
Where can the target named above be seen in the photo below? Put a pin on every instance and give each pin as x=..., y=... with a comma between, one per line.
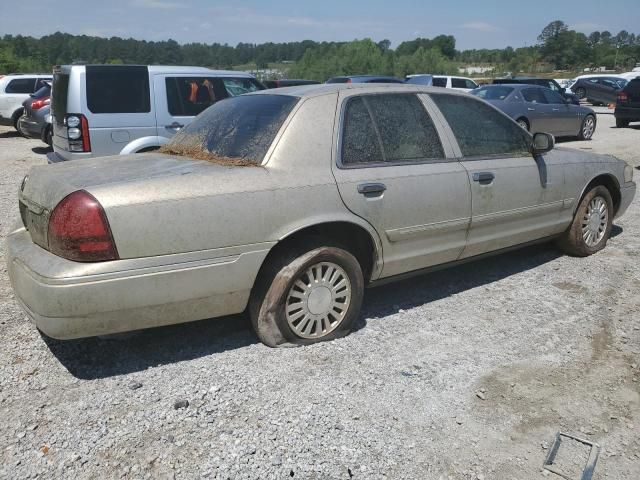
x=540, y=109
x=287, y=203
x=100, y=110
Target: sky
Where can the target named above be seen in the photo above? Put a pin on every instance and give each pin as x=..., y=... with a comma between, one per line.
x=474, y=23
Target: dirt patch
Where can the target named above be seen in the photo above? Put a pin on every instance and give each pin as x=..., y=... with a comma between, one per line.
x=570, y=287
x=198, y=153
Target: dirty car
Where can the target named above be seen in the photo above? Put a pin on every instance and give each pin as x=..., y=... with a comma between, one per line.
x=296, y=200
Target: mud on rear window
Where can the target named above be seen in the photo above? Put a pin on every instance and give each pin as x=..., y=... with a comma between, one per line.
x=240, y=128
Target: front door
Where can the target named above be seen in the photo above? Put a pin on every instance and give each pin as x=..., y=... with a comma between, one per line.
x=394, y=170
x=516, y=198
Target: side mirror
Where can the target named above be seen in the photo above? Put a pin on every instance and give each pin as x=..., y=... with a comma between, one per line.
x=542, y=143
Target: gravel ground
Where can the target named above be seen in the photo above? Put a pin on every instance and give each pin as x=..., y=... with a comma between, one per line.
x=466, y=373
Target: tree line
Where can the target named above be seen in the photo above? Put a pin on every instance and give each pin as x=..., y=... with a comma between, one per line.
x=558, y=48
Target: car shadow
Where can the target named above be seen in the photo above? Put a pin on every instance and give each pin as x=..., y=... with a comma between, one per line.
x=628, y=127
x=10, y=134
x=41, y=150
x=106, y=356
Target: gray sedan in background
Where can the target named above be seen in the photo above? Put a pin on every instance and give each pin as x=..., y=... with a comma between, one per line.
x=540, y=109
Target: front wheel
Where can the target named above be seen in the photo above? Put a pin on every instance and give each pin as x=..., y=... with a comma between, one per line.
x=523, y=123
x=581, y=93
x=591, y=226
x=311, y=294
x=588, y=128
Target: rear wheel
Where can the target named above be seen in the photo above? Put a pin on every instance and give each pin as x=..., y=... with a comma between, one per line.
x=310, y=294
x=588, y=128
x=581, y=93
x=622, y=123
x=591, y=224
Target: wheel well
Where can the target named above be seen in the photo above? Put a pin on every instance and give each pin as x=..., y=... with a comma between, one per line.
x=350, y=236
x=148, y=149
x=611, y=184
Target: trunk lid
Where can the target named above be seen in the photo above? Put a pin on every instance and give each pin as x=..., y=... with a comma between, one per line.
x=45, y=186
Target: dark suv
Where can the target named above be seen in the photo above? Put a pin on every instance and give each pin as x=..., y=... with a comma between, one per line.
x=628, y=104
x=543, y=82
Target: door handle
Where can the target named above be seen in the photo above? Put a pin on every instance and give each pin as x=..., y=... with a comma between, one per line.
x=484, y=178
x=174, y=126
x=371, y=189
x=531, y=109
x=555, y=109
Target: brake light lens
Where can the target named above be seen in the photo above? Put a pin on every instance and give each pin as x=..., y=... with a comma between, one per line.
x=78, y=132
x=39, y=103
x=622, y=97
x=79, y=230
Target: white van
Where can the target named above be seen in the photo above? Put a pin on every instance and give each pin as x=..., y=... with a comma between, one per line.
x=100, y=110
x=15, y=89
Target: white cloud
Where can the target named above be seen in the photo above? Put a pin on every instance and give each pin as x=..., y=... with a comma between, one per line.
x=480, y=27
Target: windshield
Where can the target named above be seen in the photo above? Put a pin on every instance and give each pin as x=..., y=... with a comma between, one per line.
x=492, y=92
x=236, y=131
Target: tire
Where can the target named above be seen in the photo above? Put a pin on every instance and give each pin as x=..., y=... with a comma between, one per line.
x=523, y=123
x=16, y=120
x=588, y=128
x=589, y=231
x=622, y=123
x=284, y=314
x=581, y=93
x=47, y=136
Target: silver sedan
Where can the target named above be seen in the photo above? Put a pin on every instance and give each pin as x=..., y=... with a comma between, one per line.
x=288, y=203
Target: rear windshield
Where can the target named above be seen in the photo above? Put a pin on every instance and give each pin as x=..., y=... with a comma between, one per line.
x=240, y=128
x=633, y=87
x=59, y=92
x=118, y=89
x=493, y=93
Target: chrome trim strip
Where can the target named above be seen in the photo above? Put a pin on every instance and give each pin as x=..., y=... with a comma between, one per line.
x=446, y=226
x=498, y=217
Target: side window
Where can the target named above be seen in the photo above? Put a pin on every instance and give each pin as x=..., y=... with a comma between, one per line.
x=238, y=86
x=406, y=130
x=360, y=143
x=21, y=85
x=458, y=83
x=480, y=129
x=553, y=97
x=118, y=89
x=470, y=84
x=439, y=81
x=388, y=128
x=188, y=96
x=533, y=95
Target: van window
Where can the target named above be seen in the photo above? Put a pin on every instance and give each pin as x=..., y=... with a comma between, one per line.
x=439, y=81
x=21, y=85
x=59, y=99
x=188, y=96
x=238, y=86
x=118, y=89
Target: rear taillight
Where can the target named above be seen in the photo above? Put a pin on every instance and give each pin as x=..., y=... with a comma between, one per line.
x=79, y=230
x=78, y=132
x=41, y=102
x=622, y=97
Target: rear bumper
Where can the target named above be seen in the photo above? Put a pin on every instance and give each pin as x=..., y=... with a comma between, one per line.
x=66, y=299
x=29, y=128
x=627, y=192
x=627, y=113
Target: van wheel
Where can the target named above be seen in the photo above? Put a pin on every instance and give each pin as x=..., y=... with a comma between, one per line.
x=48, y=136
x=310, y=294
x=591, y=226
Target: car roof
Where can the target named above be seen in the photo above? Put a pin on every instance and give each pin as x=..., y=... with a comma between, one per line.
x=306, y=91
x=166, y=69
x=27, y=75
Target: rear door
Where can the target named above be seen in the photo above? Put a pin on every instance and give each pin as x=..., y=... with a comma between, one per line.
x=515, y=197
x=565, y=119
x=396, y=170
x=538, y=110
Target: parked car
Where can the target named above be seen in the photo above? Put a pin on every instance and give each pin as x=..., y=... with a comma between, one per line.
x=628, y=104
x=120, y=109
x=365, y=79
x=457, y=83
x=287, y=82
x=32, y=123
x=541, y=82
x=599, y=90
x=540, y=109
x=277, y=217
x=419, y=79
x=15, y=89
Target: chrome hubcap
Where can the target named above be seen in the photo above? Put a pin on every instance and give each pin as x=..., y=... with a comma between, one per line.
x=523, y=125
x=588, y=128
x=594, y=222
x=318, y=300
